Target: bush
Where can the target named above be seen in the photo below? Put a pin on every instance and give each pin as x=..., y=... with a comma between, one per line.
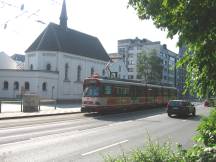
x=201, y=154
x=207, y=130
x=205, y=150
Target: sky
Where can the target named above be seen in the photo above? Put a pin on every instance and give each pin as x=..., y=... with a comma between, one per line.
x=21, y=22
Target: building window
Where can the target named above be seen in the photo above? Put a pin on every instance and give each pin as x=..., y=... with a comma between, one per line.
x=130, y=76
x=130, y=55
x=139, y=77
x=5, y=86
x=130, y=69
x=27, y=86
x=16, y=85
x=119, y=68
x=122, y=50
x=48, y=67
x=92, y=71
x=103, y=72
x=66, y=71
x=44, y=86
x=79, y=73
x=31, y=67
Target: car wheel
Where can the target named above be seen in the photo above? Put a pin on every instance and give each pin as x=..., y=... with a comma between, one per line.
x=170, y=115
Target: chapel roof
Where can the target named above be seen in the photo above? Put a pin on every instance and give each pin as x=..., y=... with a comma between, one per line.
x=61, y=38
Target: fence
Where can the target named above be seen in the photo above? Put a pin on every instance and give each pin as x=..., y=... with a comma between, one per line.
x=20, y=101
x=11, y=101
x=46, y=101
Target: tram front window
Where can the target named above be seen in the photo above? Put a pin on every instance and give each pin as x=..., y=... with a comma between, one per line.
x=91, y=91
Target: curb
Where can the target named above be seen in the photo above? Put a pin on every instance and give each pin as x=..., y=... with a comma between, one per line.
x=39, y=115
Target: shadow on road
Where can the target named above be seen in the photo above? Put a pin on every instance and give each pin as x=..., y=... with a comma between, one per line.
x=126, y=115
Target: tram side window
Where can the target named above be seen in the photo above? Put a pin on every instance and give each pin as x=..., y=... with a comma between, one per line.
x=126, y=91
x=107, y=90
x=150, y=91
x=118, y=91
x=169, y=92
x=139, y=91
x=173, y=93
x=155, y=92
x=159, y=92
x=122, y=91
x=144, y=91
x=165, y=92
x=132, y=91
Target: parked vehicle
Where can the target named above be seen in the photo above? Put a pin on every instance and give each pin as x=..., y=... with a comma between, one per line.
x=209, y=102
x=180, y=107
x=100, y=94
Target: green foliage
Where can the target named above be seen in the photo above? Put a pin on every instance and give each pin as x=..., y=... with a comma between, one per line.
x=149, y=67
x=201, y=154
x=205, y=150
x=194, y=21
x=207, y=130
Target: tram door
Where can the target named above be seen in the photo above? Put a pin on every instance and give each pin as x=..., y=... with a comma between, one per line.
x=134, y=97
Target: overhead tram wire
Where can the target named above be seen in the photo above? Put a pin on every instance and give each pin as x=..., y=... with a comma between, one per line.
x=21, y=7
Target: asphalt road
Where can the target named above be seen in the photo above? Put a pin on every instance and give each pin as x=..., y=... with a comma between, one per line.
x=90, y=137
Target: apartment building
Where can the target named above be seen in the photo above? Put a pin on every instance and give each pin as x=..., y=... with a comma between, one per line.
x=130, y=48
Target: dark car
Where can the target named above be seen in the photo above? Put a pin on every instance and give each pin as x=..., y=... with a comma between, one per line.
x=180, y=107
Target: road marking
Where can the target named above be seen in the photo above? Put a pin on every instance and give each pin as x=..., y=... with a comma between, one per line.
x=105, y=147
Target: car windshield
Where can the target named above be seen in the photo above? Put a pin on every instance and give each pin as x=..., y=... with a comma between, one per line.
x=91, y=91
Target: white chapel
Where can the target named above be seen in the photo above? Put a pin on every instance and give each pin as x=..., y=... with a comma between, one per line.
x=56, y=64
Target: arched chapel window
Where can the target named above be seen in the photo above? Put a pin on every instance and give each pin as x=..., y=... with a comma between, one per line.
x=119, y=68
x=92, y=71
x=27, y=86
x=5, y=85
x=66, y=71
x=48, y=67
x=16, y=85
x=31, y=67
x=79, y=73
x=103, y=72
x=44, y=86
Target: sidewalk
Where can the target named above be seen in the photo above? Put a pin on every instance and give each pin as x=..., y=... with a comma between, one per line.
x=13, y=111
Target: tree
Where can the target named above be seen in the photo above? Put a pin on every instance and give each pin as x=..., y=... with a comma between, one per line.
x=195, y=23
x=149, y=67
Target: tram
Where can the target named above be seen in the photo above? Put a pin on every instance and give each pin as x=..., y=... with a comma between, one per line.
x=100, y=94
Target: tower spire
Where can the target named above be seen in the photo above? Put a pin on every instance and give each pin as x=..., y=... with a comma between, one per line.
x=63, y=16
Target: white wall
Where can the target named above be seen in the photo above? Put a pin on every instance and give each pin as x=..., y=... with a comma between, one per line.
x=35, y=79
x=72, y=88
x=119, y=67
